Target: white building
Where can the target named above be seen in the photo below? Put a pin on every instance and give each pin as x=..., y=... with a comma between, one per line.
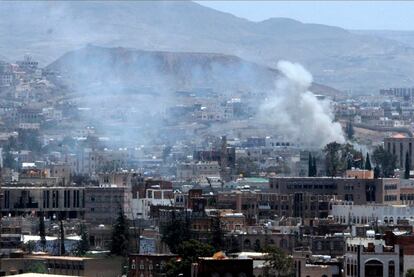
x=200, y=170
x=347, y=213
x=154, y=196
x=369, y=257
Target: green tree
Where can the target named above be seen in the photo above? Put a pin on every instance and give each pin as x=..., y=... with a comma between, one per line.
x=42, y=230
x=83, y=245
x=332, y=158
x=368, y=165
x=278, y=262
x=385, y=160
x=175, y=232
x=349, y=130
x=310, y=165
x=377, y=172
x=188, y=251
x=349, y=163
x=36, y=267
x=314, y=168
x=120, y=236
x=29, y=246
x=339, y=157
x=407, y=166
x=410, y=273
x=217, y=233
x=62, y=239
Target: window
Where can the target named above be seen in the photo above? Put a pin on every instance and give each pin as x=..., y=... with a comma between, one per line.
x=391, y=269
x=319, y=245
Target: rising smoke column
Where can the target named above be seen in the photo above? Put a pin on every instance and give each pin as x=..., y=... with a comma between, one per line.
x=295, y=112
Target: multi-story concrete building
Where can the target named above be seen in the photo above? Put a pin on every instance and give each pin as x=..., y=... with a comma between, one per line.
x=64, y=265
x=309, y=265
x=20, y=199
x=198, y=170
x=405, y=241
x=347, y=213
x=399, y=145
x=264, y=205
x=360, y=191
x=398, y=92
x=406, y=191
x=103, y=203
x=369, y=257
x=151, y=193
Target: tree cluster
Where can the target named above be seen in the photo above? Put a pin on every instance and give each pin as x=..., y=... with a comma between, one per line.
x=407, y=166
x=181, y=241
x=339, y=157
x=349, y=130
x=83, y=245
x=120, y=236
x=175, y=232
x=278, y=263
x=410, y=273
x=42, y=231
x=188, y=252
x=385, y=162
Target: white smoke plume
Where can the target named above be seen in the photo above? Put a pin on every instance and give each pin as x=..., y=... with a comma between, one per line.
x=296, y=113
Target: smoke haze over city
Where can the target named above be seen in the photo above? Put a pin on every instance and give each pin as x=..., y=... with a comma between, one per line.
x=201, y=138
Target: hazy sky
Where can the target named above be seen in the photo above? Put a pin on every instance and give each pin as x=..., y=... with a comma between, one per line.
x=380, y=15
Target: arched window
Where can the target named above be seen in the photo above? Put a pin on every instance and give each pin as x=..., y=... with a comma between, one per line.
x=319, y=245
x=391, y=269
x=247, y=243
x=257, y=246
x=373, y=268
x=283, y=244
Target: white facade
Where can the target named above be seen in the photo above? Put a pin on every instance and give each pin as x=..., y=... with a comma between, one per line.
x=371, y=257
x=141, y=206
x=199, y=170
x=363, y=214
